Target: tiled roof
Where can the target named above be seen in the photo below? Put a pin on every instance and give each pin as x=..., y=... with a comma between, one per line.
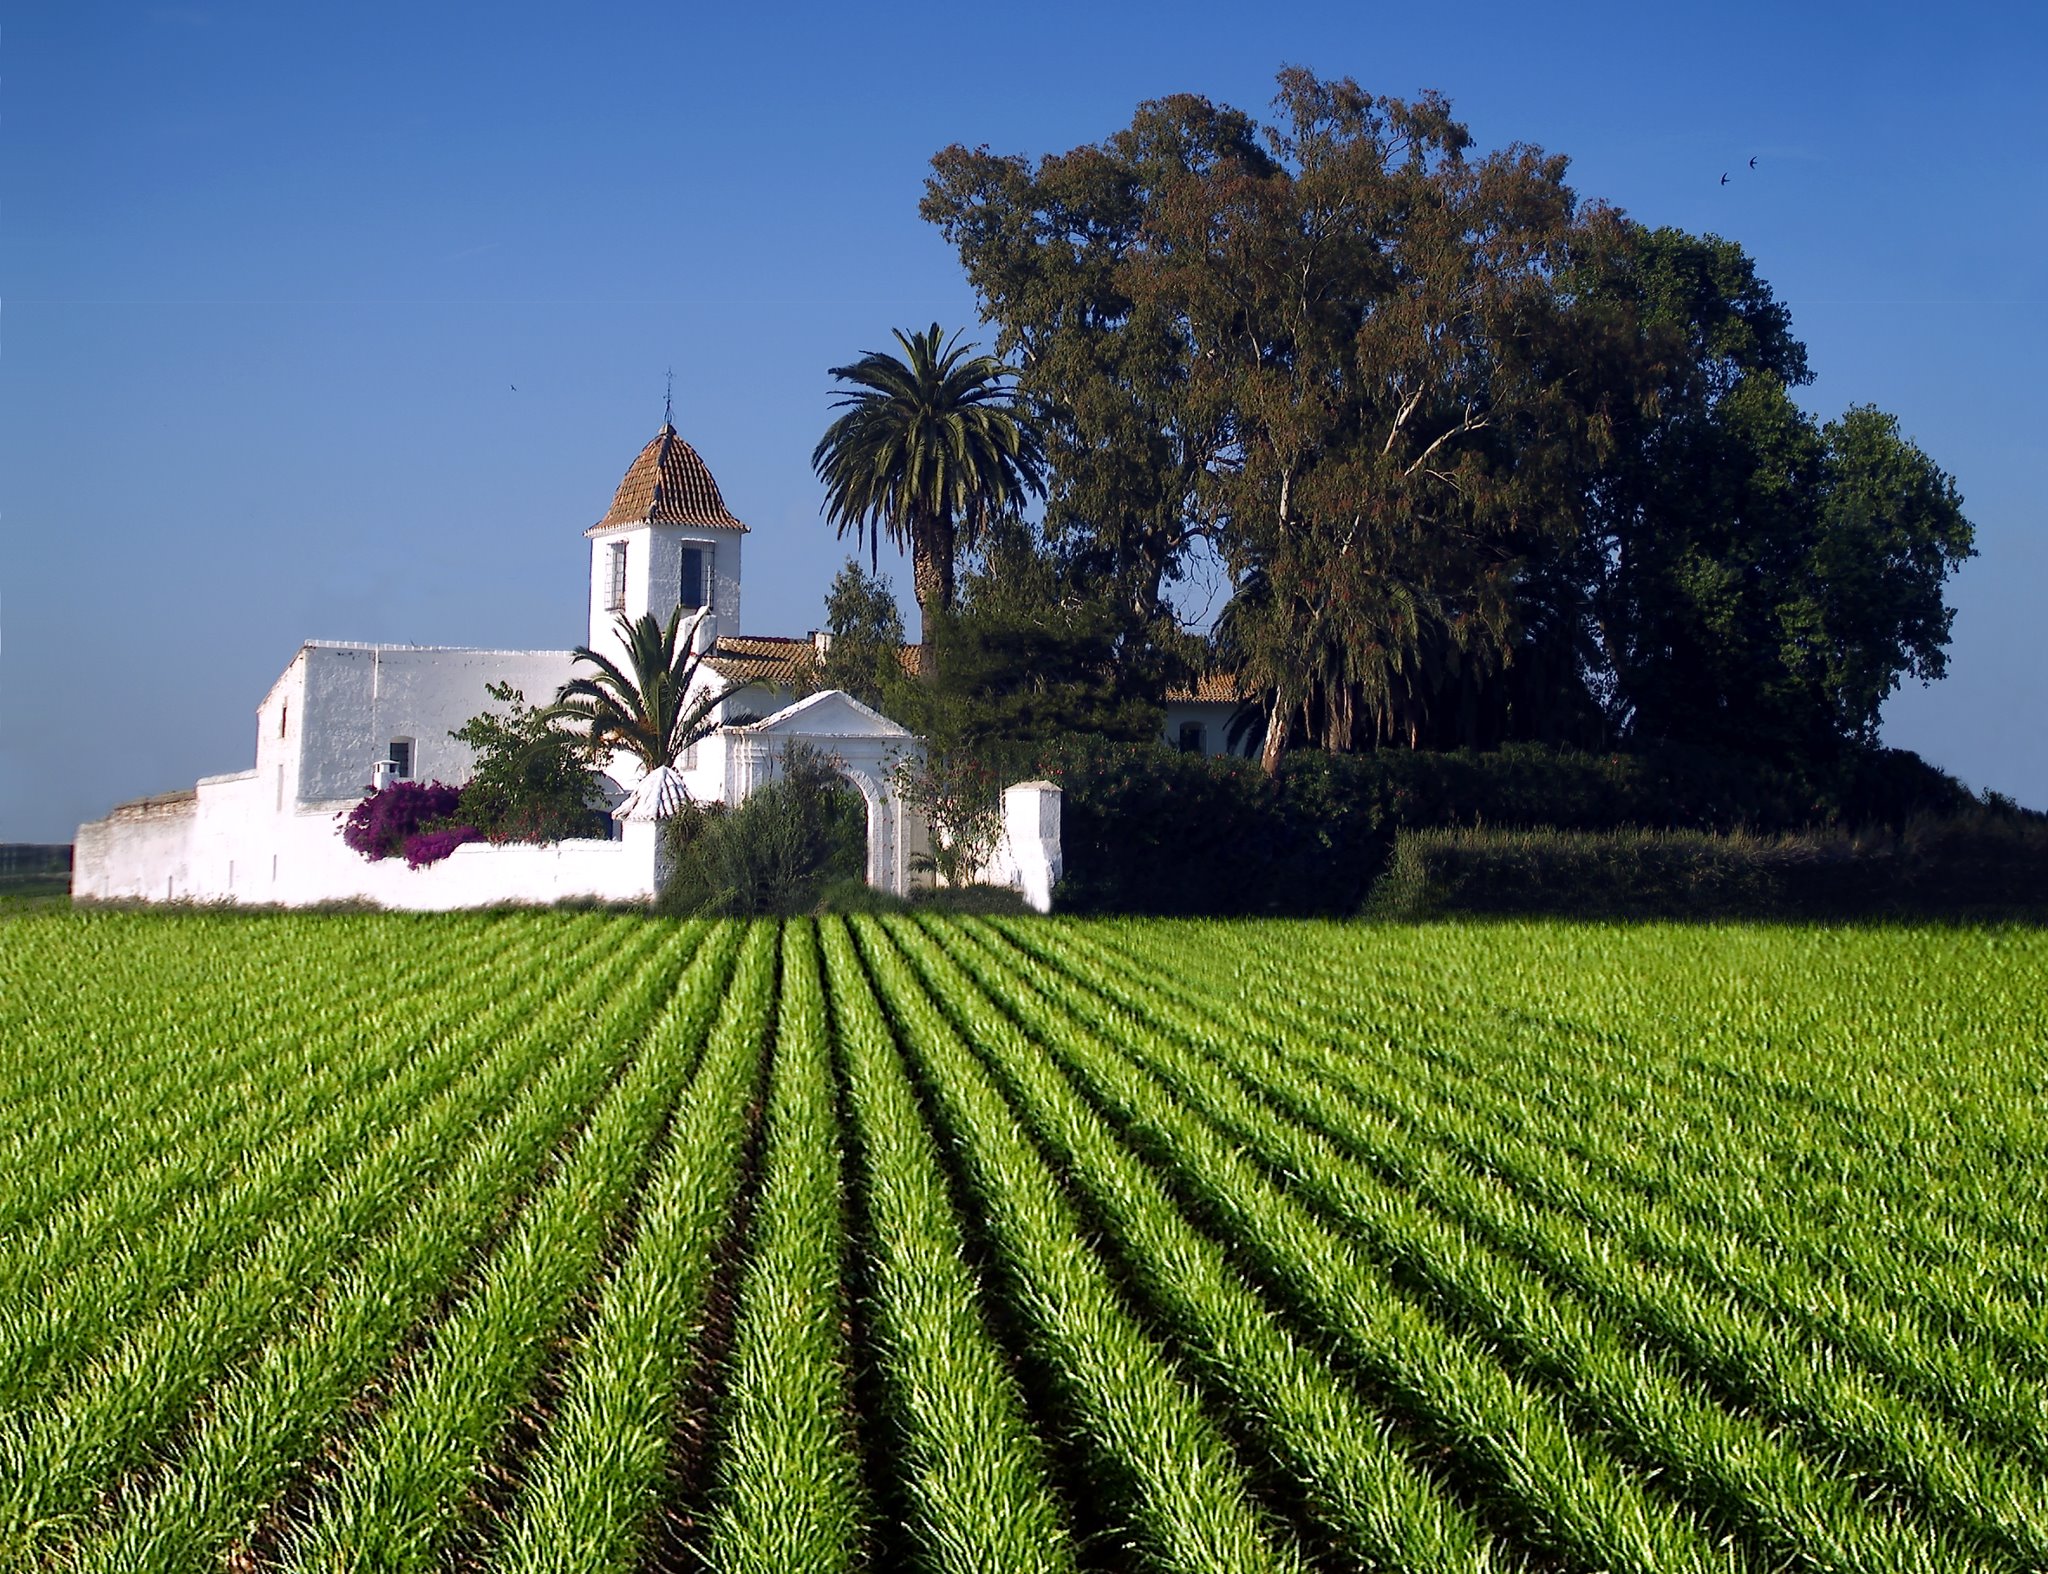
x=1209, y=687
x=668, y=485
x=785, y=663
x=779, y=661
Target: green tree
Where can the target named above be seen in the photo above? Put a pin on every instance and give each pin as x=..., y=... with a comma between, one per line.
x=533, y=779
x=1374, y=396
x=652, y=708
x=1031, y=654
x=775, y=853
x=1761, y=581
x=928, y=450
x=865, y=657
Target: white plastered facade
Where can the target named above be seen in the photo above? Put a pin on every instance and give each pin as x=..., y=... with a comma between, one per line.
x=271, y=834
x=345, y=715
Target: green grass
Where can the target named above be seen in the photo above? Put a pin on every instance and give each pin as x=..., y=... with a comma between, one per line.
x=954, y=1241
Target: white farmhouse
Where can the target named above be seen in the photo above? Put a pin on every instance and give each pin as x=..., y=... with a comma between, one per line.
x=345, y=716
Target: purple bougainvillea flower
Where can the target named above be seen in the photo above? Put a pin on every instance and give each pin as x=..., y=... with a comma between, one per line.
x=430, y=847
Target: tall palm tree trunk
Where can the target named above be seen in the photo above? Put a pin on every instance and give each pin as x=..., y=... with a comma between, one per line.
x=931, y=571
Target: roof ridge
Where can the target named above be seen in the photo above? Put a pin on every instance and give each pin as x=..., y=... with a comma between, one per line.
x=669, y=483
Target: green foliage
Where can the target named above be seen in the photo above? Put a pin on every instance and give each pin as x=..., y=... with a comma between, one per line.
x=1149, y=830
x=1760, y=580
x=532, y=781
x=960, y=797
x=653, y=707
x=774, y=853
x=865, y=657
x=1981, y=865
x=1483, y=462
x=790, y=1402
x=418, y=1240
x=1031, y=654
x=930, y=450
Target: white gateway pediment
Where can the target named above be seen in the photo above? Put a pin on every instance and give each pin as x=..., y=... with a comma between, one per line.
x=830, y=713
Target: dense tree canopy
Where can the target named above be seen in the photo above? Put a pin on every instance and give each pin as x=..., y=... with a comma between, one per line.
x=1031, y=654
x=1482, y=460
x=865, y=653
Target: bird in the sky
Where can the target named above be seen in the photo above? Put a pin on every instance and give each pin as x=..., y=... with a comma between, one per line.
x=1724, y=177
x=1752, y=163
x=515, y=388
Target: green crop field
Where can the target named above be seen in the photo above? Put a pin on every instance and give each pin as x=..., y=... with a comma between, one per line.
x=560, y=1241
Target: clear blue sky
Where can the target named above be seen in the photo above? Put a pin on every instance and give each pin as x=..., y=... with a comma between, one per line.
x=269, y=272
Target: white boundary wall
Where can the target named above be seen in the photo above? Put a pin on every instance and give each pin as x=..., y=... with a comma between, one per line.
x=225, y=845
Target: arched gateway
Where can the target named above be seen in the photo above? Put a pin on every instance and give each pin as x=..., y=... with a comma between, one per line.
x=862, y=744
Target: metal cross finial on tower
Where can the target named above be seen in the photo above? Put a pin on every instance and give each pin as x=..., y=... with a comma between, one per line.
x=668, y=403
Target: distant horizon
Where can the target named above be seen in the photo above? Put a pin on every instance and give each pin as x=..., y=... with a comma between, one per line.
x=350, y=324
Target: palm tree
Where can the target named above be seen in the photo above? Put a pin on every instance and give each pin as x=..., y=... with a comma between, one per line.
x=646, y=709
x=928, y=451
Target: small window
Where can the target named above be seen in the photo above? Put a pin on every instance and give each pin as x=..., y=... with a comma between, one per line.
x=400, y=756
x=1194, y=738
x=617, y=599
x=693, y=587
x=284, y=715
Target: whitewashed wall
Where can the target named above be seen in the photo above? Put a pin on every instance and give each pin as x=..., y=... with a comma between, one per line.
x=142, y=852
x=349, y=701
x=225, y=844
x=1212, y=716
x=654, y=576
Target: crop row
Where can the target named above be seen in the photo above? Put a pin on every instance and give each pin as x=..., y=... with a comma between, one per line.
x=582, y=1243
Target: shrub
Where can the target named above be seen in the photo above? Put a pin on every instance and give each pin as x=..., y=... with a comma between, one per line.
x=430, y=847
x=379, y=825
x=1979, y=865
x=1148, y=830
x=960, y=796
x=773, y=854
x=532, y=780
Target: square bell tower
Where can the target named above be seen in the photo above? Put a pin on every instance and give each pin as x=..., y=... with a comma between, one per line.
x=666, y=542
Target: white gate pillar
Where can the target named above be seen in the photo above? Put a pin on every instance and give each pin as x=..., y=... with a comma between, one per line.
x=1031, y=823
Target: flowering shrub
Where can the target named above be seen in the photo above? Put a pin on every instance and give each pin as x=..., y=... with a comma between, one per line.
x=379, y=825
x=430, y=847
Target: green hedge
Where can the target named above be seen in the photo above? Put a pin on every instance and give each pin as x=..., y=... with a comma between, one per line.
x=1983, y=865
x=1152, y=831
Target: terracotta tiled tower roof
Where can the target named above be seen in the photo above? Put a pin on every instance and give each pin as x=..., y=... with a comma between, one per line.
x=668, y=485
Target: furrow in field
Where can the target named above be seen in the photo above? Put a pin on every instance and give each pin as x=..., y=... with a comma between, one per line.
x=411, y=1480
x=287, y=1417
x=108, y=1125
x=1188, y=1503
x=1360, y=1485
x=52, y=1327
x=953, y=1432
x=54, y=1023
x=592, y=1491
x=591, y=1494
x=789, y=1493
x=1736, y=1471
x=1536, y=1477
x=229, y=1124
x=56, y=1460
x=1963, y=1363
x=1754, y=1357
x=1826, y=1198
